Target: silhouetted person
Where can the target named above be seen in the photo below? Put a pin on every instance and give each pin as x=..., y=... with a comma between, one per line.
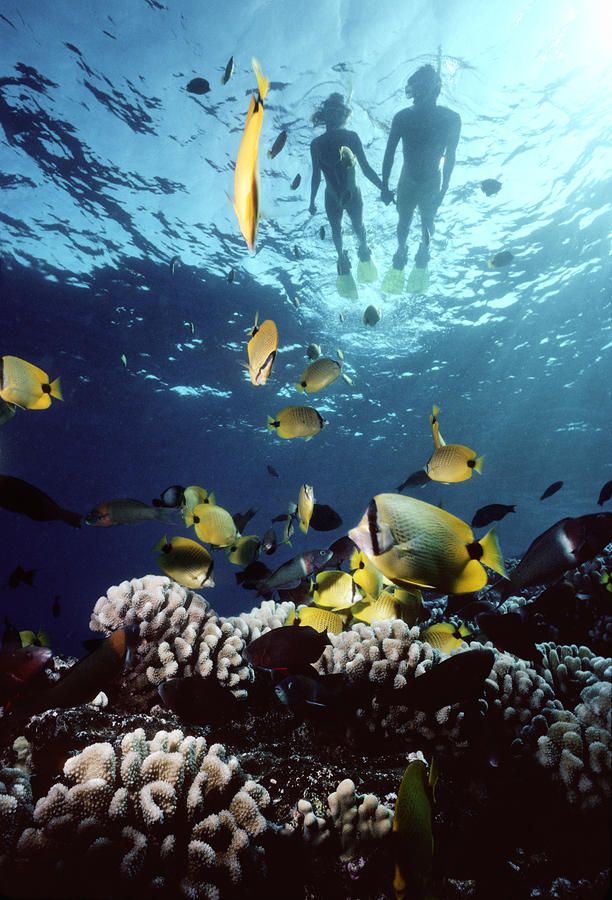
x=428, y=133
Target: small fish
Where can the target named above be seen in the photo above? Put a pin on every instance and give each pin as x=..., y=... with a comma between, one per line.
x=491, y=513
x=445, y=636
x=347, y=378
x=334, y=589
x=341, y=316
x=246, y=174
x=123, y=359
x=365, y=574
x=305, y=506
x=296, y=182
x=297, y=691
x=25, y=385
x=453, y=463
x=172, y=498
x=198, y=86
x=175, y=262
x=186, y=561
x=296, y=421
x=200, y=701
x=19, y=575
x=490, y=186
x=38, y=638
x=313, y=351
x=341, y=550
x=277, y=146
x=56, y=608
x=193, y=496
x=7, y=411
x=296, y=301
x=371, y=316
x=244, y=551
x=127, y=512
x=417, y=479
x=229, y=71
x=321, y=619
x=322, y=232
x=413, y=828
x=552, y=489
x=501, y=259
x=272, y=471
x=289, y=526
x=297, y=252
x=21, y=497
x=605, y=493
x=324, y=518
x=318, y=375
x=214, y=525
x=230, y=276
x=383, y=609
x=269, y=542
x=290, y=573
x=347, y=157
x=241, y=520
x=261, y=351
x=190, y=326
x=286, y=647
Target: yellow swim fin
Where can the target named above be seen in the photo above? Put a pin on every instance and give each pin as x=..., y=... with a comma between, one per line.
x=393, y=282
x=367, y=273
x=347, y=287
x=418, y=280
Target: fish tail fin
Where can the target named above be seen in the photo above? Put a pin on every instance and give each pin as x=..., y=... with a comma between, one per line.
x=478, y=464
x=71, y=518
x=272, y=424
x=262, y=82
x=491, y=553
x=299, y=387
x=434, y=413
x=56, y=389
x=161, y=544
x=304, y=527
x=172, y=516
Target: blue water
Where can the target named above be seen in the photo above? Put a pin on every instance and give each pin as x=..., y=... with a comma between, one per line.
x=109, y=168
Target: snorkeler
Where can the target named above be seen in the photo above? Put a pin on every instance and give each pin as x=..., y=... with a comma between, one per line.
x=428, y=133
x=335, y=154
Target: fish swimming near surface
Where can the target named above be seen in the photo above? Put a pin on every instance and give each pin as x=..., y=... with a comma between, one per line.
x=491, y=513
x=25, y=385
x=318, y=375
x=490, y=186
x=417, y=479
x=322, y=232
x=175, y=262
x=7, y=411
x=296, y=421
x=605, y=493
x=21, y=497
x=415, y=543
x=127, y=512
x=501, y=259
x=172, y=497
x=19, y=575
x=286, y=647
x=290, y=573
x=229, y=71
x=552, y=489
x=371, y=316
x=198, y=86
x=187, y=562
x=230, y=276
x=313, y=351
x=201, y=701
x=246, y=175
x=324, y=518
x=277, y=146
x=262, y=350
x=296, y=182
x=272, y=471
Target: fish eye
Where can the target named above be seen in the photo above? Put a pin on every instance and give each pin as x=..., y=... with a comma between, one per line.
x=322, y=552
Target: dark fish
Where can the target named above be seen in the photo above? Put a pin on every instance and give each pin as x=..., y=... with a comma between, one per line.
x=269, y=542
x=501, y=259
x=200, y=701
x=174, y=263
x=296, y=252
x=230, y=276
x=18, y=666
x=282, y=517
x=322, y=232
x=509, y=632
x=417, y=479
x=552, y=489
x=605, y=493
x=324, y=518
x=272, y=471
x=128, y=512
x=298, y=595
x=252, y=575
x=172, y=498
x=56, y=608
x=371, y=316
x=21, y=497
x=229, y=71
x=298, y=691
x=198, y=86
x=565, y=545
x=491, y=513
x=458, y=679
x=294, y=570
x=459, y=605
x=278, y=145
x=241, y=520
x=287, y=646
x=341, y=550
x=296, y=183
x=490, y=186
x=19, y=575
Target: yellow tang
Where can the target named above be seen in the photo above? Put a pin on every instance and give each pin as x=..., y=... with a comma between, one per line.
x=214, y=525
x=382, y=609
x=246, y=175
x=333, y=589
x=415, y=543
x=435, y=428
x=445, y=636
x=452, y=463
x=26, y=385
x=262, y=351
x=321, y=619
x=296, y=421
x=193, y=496
x=365, y=575
x=186, y=561
x=319, y=375
x=244, y=551
x=413, y=825
x=305, y=506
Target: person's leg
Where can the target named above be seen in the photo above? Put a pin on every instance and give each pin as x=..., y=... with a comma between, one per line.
x=354, y=208
x=428, y=206
x=406, y=201
x=333, y=208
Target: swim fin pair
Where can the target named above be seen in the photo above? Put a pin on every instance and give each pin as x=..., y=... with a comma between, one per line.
x=418, y=280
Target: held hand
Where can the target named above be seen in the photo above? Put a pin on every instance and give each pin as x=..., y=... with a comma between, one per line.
x=312, y=209
x=387, y=196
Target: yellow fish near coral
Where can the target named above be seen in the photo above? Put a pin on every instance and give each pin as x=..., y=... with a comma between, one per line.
x=26, y=385
x=333, y=590
x=445, y=636
x=318, y=375
x=365, y=574
x=305, y=506
x=262, y=351
x=186, y=561
x=413, y=827
x=214, y=525
x=321, y=619
x=296, y=421
x=246, y=175
x=415, y=543
x=383, y=609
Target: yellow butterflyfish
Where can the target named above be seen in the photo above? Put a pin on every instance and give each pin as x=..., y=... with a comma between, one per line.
x=246, y=175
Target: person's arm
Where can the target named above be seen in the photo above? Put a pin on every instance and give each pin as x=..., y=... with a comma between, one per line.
x=366, y=168
x=392, y=142
x=316, y=178
x=449, y=155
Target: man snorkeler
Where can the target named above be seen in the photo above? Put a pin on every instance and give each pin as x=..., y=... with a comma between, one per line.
x=428, y=133
x=335, y=154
